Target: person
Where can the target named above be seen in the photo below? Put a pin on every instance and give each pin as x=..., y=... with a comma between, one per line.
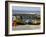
x=14, y=21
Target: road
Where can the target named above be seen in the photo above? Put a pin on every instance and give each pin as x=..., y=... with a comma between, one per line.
x=26, y=27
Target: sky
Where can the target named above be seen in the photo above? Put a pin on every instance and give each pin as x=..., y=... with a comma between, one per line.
x=25, y=10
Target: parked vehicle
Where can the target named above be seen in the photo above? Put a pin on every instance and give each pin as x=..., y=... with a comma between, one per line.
x=28, y=21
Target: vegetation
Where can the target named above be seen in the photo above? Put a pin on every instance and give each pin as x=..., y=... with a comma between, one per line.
x=20, y=20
